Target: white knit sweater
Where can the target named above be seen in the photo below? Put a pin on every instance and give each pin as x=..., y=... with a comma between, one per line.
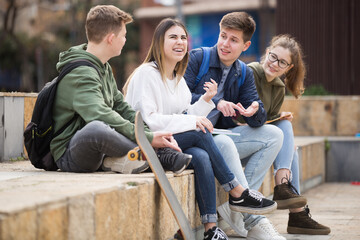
x=162, y=105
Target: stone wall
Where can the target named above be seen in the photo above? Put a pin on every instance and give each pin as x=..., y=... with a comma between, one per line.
x=313, y=116
x=324, y=115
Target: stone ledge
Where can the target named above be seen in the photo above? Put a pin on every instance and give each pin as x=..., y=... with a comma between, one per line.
x=50, y=205
x=35, y=204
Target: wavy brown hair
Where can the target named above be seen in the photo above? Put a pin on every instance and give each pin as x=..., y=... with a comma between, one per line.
x=156, y=51
x=294, y=77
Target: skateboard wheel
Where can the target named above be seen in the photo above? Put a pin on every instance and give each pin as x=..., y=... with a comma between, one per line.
x=133, y=154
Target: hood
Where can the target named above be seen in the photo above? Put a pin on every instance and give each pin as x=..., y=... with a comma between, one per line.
x=79, y=52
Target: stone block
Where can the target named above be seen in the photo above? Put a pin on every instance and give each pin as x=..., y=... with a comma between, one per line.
x=348, y=116
x=313, y=160
x=53, y=221
x=147, y=212
x=29, y=104
x=19, y=226
x=107, y=209
x=166, y=224
x=221, y=195
x=193, y=210
x=324, y=115
x=81, y=217
x=266, y=187
x=130, y=220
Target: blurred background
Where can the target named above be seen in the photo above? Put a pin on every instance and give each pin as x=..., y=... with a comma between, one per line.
x=34, y=32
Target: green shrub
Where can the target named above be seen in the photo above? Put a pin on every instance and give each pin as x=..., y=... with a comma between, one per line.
x=316, y=90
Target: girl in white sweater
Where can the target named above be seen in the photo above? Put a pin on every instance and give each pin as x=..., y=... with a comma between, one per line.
x=158, y=90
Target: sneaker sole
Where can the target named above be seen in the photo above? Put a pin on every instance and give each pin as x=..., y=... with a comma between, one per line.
x=255, y=211
x=291, y=203
x=125, y=166
x=309, y=231
x=223, y=212
x=184, y=167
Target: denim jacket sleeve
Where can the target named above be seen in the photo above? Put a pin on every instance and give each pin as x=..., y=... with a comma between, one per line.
x=195, y=58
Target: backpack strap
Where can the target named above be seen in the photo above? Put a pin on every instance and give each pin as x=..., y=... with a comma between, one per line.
x=74, y=64
x=204, y=65
x=204, y=68
x=243, y=73
x=65, y=70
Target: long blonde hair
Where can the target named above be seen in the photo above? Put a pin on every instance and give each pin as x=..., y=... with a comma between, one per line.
x=156, y=51
x=294, y=77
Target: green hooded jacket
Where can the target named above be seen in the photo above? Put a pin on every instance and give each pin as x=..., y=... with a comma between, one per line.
x=271, y=93
x=84, y=92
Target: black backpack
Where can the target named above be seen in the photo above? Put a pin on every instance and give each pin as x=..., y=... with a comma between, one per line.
x=40, y=131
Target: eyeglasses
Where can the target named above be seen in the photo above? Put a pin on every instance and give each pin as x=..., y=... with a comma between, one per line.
x=274, y=58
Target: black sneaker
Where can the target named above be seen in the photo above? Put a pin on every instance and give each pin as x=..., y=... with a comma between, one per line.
x=215, y=233
x=172, y=160
x=252, y=202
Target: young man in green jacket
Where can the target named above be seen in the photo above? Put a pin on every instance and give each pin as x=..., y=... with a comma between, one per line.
x=104, y=126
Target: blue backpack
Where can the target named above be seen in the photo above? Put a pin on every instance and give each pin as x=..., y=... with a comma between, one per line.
x=204, y=68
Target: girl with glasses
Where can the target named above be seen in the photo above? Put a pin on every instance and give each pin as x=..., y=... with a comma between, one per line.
x=284, y=58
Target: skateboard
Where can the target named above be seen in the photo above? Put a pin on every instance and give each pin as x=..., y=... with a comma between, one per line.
x=161, y=178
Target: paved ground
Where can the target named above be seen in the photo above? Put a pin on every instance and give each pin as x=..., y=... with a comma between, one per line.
x=336, y=205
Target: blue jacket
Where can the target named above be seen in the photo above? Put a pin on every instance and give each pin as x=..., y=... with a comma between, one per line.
x=246, y=94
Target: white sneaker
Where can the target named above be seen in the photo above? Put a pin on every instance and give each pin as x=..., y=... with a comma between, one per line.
x=124, y=165
x=234, y=219
x=264, y=230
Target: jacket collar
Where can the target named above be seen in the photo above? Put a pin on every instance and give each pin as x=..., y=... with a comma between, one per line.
x=215, y=61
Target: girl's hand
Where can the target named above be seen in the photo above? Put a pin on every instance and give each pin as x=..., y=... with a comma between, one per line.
x=203, y=123
x=164, y=139
x=286, y=116
x=211, y=90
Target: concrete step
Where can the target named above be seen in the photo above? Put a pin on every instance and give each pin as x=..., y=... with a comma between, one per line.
x=55, y=205
x=35, y=204
x=312, y=165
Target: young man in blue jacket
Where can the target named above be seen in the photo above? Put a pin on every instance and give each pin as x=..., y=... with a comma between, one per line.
x=259, y=144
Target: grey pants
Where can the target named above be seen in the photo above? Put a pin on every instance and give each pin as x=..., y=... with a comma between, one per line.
x=87, y=148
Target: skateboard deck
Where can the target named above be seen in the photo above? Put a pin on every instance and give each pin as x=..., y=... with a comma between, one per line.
x=161, y=178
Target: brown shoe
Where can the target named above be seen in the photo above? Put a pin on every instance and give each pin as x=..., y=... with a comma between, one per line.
x=302, y=223
x=286, y=196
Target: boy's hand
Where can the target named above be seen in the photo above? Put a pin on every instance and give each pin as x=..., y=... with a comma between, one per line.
x=228, y=108
x=211, y=90
x=164, y=139
x=251, y=110
x=203, y=123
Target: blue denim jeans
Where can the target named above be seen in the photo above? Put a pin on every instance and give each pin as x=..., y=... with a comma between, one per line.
x=228, y=149
x=87, y=148
x=288, y=157
x=259, y=146
x=208, y=163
